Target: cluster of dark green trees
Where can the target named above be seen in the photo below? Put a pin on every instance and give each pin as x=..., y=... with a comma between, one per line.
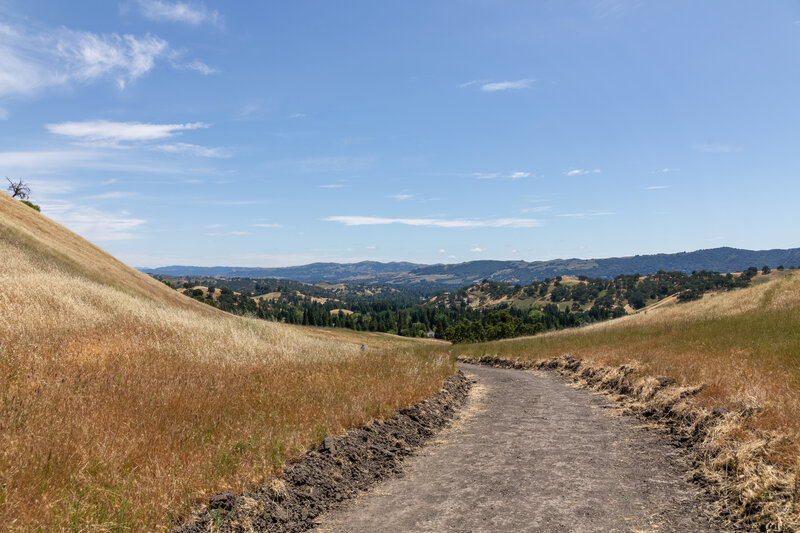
x=510, y=322
x=525, y=310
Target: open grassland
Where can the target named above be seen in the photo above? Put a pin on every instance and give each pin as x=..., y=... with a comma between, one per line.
x=123, y=402
x=742, y=347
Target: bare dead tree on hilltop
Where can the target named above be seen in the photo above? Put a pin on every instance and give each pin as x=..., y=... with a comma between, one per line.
x=18, y=189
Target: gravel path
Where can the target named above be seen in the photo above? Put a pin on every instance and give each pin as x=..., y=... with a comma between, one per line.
x=530, y=453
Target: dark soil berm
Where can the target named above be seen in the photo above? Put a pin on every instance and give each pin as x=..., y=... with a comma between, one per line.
x=339, y=469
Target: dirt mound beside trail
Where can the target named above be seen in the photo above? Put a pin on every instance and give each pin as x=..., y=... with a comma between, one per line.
x=338, y=470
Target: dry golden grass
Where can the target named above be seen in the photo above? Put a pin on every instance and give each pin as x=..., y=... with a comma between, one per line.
x=123, y=402
x=742, y=347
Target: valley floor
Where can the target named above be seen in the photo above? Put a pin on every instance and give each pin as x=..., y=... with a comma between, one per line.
x=532, y=454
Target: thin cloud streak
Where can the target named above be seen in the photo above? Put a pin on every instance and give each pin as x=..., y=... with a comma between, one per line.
x=197, y=66
x=507, y=85
x=717, y=148
x=91, y=223
x=581, y=172
x=437, y=223
x=585, y=215
x=113, y=195
x=108, y=133
x=200, y=151
x=193, y=14
x=497, y=175
x=228, y=233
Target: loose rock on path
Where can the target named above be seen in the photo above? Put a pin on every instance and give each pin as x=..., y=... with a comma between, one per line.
x=533, y=454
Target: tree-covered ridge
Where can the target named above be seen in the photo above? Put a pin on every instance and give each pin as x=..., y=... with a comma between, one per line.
x=514, y=310
x=631, y=292
x=488, y=310
x=452, y=276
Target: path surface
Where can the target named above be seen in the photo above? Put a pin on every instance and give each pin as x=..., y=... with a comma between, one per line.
x=533, y=454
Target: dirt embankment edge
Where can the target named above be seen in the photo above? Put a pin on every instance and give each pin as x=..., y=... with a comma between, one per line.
x=338, y=470
x=751, y=493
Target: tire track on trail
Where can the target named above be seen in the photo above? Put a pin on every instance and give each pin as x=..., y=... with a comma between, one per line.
x=533, y=454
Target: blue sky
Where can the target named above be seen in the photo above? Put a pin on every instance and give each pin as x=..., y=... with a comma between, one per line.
x=280, y=133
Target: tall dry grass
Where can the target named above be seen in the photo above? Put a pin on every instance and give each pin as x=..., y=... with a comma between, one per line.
x=121, y=407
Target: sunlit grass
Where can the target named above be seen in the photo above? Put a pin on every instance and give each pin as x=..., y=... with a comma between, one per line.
x=123, y=403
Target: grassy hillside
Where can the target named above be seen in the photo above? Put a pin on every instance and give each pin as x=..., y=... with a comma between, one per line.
x=122, y=402
x=742, y=346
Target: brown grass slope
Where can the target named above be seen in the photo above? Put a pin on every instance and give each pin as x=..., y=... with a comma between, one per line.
x=56, y=245
x=739, y=351
x=122, y=402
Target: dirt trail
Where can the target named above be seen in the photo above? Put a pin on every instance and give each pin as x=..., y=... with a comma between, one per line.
x=532, y=454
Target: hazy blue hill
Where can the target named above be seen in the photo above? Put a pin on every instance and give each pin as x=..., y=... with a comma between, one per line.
x=366, y=271
x=523, y=272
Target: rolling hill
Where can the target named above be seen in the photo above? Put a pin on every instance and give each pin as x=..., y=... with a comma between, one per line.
x=123, y=402
x=522, y=272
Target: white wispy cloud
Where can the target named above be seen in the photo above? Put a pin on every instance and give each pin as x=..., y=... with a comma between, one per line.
x=91, y=223
x=107, y=133
x=588, y=214
x=33, y=162
x=48, y=188
x=197, y=66
x=499, y=175
x=471, y=83
x=437, y=222
x=507, y=85
x=43, y=160
x=476, y=249
x=298, y=115
x=34, y=60
x=228, y=233
x=112, y=195
x=536, y=209
x=657, y=187
x=401, y=196
x=581, y=172
x=222, y=202
x=331, y=186
x=201, y=151
x=442, y=251
x=717, y=148
x=3, y=114
x=267, y=225
x=192, y=13
x=666, y=170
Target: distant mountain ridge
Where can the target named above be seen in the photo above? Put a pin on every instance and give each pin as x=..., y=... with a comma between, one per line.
x=365, y=271
x=456, y=275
